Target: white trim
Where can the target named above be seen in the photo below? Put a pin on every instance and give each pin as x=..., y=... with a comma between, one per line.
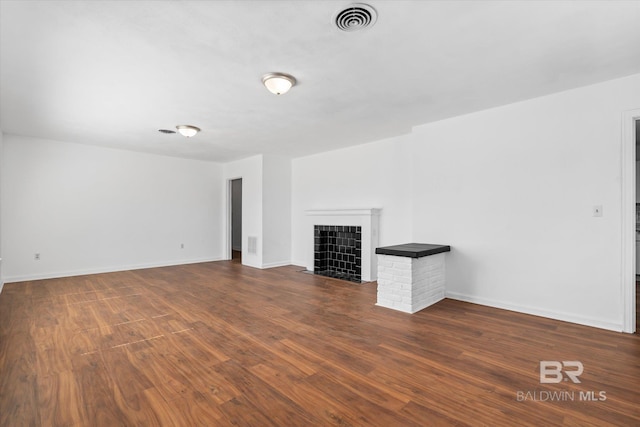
x=565, y=317
x=298, y=263
x=628, y=223
x=343, y=212
x=276, y=264
x=70, y=273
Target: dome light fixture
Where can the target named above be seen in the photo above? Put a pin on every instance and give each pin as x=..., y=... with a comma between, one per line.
x=187, y=130
x=278, y=83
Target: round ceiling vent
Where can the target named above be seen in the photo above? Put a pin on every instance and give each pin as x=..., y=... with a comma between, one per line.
x=356, y=17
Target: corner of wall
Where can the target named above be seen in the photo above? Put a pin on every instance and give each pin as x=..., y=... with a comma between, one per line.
x=115, y=218
x=276, y=210
x=251, y=171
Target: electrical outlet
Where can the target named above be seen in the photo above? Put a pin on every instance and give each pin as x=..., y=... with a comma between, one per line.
x=36, y=257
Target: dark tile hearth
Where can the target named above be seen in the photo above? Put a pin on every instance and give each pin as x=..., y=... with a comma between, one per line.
x=338, y=251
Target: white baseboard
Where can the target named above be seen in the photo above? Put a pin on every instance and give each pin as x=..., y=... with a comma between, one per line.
x=301, y=264
x=565, y=317
x=112, y=269
x=276, y=264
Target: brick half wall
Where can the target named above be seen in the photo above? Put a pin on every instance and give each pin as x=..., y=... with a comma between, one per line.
x=410, y=284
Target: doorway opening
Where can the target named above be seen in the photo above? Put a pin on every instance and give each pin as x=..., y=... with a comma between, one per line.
x=235, y=191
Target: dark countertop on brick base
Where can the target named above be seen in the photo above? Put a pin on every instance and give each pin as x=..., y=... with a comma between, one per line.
x=413, y=250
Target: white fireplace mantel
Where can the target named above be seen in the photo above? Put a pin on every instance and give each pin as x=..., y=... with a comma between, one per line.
x=367, y=218
x=343, y=212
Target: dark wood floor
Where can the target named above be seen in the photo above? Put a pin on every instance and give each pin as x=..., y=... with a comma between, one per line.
x=219, y=344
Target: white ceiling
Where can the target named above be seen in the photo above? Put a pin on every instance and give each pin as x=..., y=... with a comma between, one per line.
x=112, y=73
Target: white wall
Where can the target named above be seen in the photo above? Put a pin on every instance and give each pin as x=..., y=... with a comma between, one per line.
x=511, y=190
x=89, y=209
x=1, y=204
x=376, y=175
x=276, y=209
x=266, y=208
x=250, y=170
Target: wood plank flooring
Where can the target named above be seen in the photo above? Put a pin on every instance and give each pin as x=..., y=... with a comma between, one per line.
x=219, y=344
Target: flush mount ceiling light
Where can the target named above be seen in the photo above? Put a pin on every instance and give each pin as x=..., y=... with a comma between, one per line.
x=187, y=130
x=278, y=83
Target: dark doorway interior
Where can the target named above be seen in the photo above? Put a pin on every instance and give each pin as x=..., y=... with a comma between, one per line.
x=236, y=220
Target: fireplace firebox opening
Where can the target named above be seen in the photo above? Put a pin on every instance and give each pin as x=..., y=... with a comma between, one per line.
x=338, y=251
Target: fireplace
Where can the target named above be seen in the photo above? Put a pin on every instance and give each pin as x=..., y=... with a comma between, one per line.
x=337, y=251
x=359, y=227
